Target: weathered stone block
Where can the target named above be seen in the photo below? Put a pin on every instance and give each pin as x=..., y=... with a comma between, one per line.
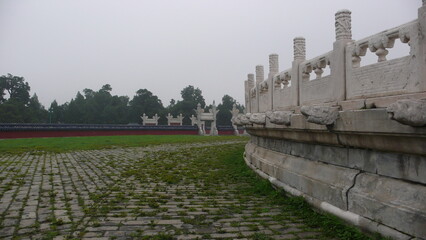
x=394, y=203
x=321, y=181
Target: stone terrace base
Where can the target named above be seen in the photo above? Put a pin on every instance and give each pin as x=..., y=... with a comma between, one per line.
x=377, y=191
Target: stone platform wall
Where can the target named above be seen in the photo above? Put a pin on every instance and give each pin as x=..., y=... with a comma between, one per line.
x=371, y=178
x=353, y=142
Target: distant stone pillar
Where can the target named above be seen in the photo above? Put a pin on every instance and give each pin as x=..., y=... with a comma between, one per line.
x=180, y=118
x=213, y=128
x=343, y=30
x=169, y=118
x=155, y=118
x=144, y=117
x=260, y=76
x=199, y=123
x=234, y=113
x=193, y=120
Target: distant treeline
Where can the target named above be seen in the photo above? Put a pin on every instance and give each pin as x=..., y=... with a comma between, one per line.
x=16, y=106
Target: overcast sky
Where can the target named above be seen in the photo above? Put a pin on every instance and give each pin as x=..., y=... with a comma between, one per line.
x=62, y=47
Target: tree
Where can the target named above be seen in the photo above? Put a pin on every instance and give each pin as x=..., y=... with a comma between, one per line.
x=36, y=113
x=74, y=112
x=224, y=116
x=19, y=107
x=190, y=98
x=16, y=87
x=144, y=102
x=194, y=95
x=56, y=112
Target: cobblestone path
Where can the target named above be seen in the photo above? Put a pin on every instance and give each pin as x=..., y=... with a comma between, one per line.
x=160, y=192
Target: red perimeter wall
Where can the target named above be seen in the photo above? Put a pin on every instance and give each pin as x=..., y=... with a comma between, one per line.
x=77, y=133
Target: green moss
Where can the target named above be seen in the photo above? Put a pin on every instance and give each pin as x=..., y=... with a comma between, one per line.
x=66, y=144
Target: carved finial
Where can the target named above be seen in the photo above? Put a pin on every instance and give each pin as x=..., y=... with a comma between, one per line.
x=259, y=74
x=343, y=25
x=273, y=64
x=250, y=79
x=299, y=48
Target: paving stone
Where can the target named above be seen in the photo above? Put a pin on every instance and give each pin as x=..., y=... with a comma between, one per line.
x=6, y=231
x=92, y=190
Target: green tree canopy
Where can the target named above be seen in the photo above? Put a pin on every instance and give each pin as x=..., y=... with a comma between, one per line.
x=224, y=115
x=16, y=87
x=144, y=102
x=190, y=98
x=16, y=106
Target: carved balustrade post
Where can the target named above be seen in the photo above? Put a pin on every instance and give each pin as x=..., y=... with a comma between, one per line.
x=273, y=70
x=421, y=41
x=299, y=48
x=249, y=85
x=299, y=55
x=337, y=61
x=260, y=76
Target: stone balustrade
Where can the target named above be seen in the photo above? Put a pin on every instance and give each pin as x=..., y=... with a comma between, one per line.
x=349, y=84
x=352, y=142
x=150, y=121
x=174, y=120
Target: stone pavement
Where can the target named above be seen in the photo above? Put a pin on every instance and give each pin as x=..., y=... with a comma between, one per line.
x=155, y=192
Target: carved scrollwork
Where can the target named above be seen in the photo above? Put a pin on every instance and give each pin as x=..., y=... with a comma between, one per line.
x=253, y=92
x=277, y=81
x=263, y=86
x=299, y=48
x=306, y=71
x=358, y=50
x=379, y=44
x=319, y=64
x=404, y=34
x=286, y=78
x=343, y=25
x=282, y=78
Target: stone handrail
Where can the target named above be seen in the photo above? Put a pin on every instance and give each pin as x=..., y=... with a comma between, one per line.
x=349, y=86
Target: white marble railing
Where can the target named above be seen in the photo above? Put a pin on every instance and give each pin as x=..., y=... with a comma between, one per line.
x=349, y=84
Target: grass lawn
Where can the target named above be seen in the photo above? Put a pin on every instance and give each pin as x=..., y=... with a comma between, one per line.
x=66, y=144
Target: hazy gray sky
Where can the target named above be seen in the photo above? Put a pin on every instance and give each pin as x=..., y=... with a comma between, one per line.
x=62, y=46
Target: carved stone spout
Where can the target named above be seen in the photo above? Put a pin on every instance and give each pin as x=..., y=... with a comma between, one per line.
x=280, y=117
x=258, y=118
x=408, y=112
x=320, y=114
